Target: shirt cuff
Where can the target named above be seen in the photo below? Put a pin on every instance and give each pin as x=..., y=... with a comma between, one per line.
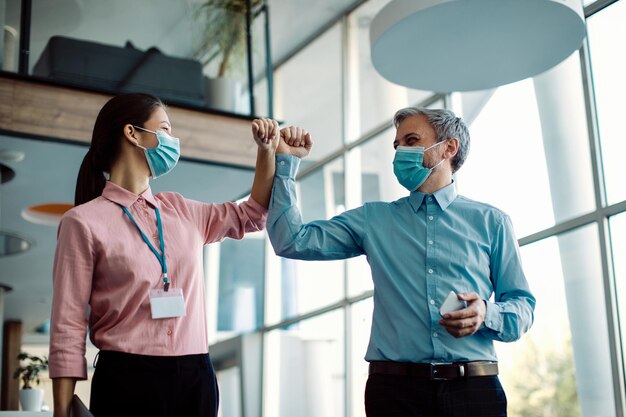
x=493, y=318
x=76, y=370
x=287, y=165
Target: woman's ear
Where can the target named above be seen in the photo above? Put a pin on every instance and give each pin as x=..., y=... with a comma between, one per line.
x=129, y=134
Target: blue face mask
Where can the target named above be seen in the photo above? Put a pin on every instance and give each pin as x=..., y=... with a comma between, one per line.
x=408, y=166
x=163, y=158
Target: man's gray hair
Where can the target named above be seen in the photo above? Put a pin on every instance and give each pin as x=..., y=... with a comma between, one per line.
x=446, y=126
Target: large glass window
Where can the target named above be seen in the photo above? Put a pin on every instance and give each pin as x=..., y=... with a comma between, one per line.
x=506, y=165
x=517, y=168
x=618, y=248
x=301, y=286
x=308, y=92
x=361, y=325
x=606, y=33
x=548, y=372
x=240, y=296
x=185, y=52
x=304, y=368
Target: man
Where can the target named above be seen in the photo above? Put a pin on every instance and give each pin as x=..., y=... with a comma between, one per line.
x=419, y=249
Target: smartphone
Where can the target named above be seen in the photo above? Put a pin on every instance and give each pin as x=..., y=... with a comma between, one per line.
x=451, y=303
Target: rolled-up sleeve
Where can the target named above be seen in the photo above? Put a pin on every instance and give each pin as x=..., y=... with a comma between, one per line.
x=232, y=220
x=72, y=280
x=512, y=312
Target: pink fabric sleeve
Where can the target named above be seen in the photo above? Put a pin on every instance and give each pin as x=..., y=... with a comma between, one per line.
x=219, y=221
x=71, y=280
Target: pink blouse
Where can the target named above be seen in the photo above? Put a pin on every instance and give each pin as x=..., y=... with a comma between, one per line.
x=103, y=271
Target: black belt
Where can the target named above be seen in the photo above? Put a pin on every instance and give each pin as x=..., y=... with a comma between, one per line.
x=435, y=370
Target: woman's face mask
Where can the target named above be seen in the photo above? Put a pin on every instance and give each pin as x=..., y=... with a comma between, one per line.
x=408, y=166
x=162, y=158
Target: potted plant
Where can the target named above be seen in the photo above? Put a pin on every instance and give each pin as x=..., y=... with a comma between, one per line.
x=223, y=45
x=31, y=398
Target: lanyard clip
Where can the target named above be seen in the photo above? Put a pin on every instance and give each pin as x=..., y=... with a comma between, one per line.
x=166, y=283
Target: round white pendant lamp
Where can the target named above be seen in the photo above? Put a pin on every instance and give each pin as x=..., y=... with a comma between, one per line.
x=465, y=45
x=47, y=214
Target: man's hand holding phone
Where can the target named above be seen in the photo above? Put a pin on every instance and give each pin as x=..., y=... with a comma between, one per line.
x=463, y=314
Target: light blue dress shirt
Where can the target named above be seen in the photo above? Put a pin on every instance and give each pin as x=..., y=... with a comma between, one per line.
x=419, y=249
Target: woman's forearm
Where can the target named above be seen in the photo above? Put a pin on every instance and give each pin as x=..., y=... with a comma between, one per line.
x=263, y=177
x=62, y=391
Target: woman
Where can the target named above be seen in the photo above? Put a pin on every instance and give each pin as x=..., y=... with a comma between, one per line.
x=128, y=265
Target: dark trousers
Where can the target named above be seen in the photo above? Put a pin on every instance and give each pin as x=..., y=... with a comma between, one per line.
x=126, y=385
x=408, y=396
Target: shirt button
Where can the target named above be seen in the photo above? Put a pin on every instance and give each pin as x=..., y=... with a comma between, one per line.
x=282, y=162
x=430, y=242
x=435, y=334
x=432, y=302
x=430, y=217
x=169, y=332
x=430, y=271
x=430, y=199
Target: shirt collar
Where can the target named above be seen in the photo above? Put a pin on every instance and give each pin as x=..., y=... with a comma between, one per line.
x=125, y=198
x=444, y=197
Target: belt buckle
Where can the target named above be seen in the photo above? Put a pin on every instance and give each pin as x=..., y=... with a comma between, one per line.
x=434, y=372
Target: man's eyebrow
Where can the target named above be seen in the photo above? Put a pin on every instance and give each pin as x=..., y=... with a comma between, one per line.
x=412, y=134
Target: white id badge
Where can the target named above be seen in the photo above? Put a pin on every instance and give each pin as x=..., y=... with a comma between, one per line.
x=167, y=304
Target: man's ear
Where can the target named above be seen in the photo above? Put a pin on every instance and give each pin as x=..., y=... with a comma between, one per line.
x=129, y=134
x=451, y=148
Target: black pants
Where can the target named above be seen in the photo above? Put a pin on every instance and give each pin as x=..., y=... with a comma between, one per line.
x=407, y=396
x=126, y=385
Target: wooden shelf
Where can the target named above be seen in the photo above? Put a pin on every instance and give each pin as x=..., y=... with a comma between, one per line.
x=63, y=113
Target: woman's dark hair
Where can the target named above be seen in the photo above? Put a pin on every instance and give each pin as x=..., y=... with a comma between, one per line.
x=132, y=108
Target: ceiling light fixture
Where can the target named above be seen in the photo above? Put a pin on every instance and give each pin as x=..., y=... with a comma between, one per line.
x=47, y=214
x=465, y=45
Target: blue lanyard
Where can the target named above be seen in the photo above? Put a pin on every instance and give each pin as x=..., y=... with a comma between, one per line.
x=161, y=256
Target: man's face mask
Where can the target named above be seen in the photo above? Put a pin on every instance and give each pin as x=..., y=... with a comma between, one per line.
x=408, y=166
x=163, y=158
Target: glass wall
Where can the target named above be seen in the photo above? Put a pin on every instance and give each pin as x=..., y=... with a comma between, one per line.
x=304, y=368
x=606, y=33
x=618, y=245
x=190, y=53
x=308, y=92
x=506, y=166
x=548, y=372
